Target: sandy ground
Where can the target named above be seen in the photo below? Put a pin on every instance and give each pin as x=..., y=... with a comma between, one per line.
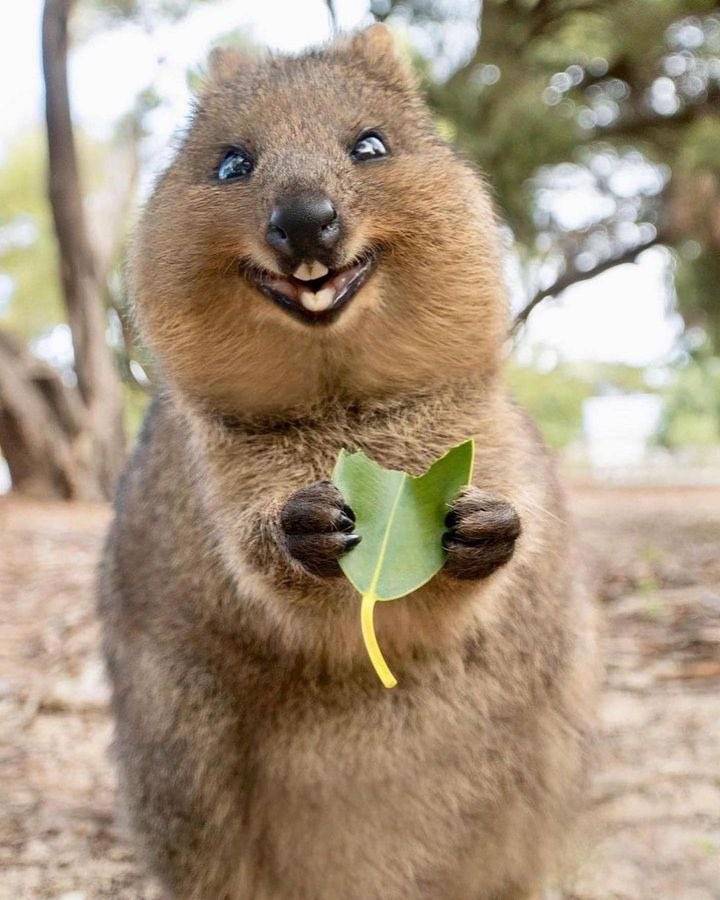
x=653, y=830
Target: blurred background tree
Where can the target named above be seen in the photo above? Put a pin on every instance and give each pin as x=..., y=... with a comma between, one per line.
x=62, y=430
x=597, y=122
x=617, y=98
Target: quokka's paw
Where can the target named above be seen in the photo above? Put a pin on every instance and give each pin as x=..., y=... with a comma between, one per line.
x=318, y=527
x=481, y=534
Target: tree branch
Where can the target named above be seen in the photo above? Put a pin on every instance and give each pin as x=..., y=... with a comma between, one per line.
x=574, y=276
x=639, y=124
x=127, y=354
x=41, y=426
x=545, y=14
x=537, y=20
x=109, y=212
x=78, y=266
x=97, y=378
x=332, y=12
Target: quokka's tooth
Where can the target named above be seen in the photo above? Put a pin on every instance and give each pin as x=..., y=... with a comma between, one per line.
x=317, y=302
x=318, y=270
x=311, y=271
x=325, y=298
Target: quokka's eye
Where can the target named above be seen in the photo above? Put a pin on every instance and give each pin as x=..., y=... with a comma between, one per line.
x=369, y=145
x=236, y=163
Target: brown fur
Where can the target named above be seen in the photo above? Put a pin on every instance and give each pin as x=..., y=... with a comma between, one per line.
x=259, y=755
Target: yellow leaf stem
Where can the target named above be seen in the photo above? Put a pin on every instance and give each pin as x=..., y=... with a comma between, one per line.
x=371, y=643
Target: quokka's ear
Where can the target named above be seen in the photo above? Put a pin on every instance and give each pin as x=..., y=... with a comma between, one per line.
x=224, y=63
x=378, y=46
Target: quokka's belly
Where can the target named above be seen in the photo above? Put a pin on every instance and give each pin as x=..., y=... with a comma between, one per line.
x=432, y=807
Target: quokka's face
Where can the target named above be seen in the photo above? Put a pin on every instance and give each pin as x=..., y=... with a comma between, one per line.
x=314, y=236
x=300, y=177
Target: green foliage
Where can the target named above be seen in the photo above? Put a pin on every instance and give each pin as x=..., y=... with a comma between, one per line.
x=401, y=520
x=516, y=112
x=692, y=410
x=28, y=253
x=552, y=83
x=697, y=282
x=700, y=150
x=30, y=296
x=27, y=242
x=136, y=404
x=554, y=399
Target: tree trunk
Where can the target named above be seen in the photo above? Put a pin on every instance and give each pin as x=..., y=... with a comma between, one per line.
x=98, y=382
x=42, y=431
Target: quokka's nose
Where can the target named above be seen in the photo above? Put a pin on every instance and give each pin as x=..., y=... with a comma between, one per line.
x=304, y=227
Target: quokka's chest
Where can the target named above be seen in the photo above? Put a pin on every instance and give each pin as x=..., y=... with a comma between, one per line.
x=296, y=453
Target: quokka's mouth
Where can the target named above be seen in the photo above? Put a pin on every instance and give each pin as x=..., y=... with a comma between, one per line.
x=314, y=300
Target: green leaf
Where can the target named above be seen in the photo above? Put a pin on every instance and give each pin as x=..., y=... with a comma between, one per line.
x=401, y=520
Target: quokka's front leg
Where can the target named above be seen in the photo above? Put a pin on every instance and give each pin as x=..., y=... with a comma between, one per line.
x=481, y=535
x=317, y=527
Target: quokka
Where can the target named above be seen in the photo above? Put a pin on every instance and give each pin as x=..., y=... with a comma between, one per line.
x=317, y=269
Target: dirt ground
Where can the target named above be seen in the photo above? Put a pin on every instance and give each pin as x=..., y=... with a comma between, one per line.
x=653, y=830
